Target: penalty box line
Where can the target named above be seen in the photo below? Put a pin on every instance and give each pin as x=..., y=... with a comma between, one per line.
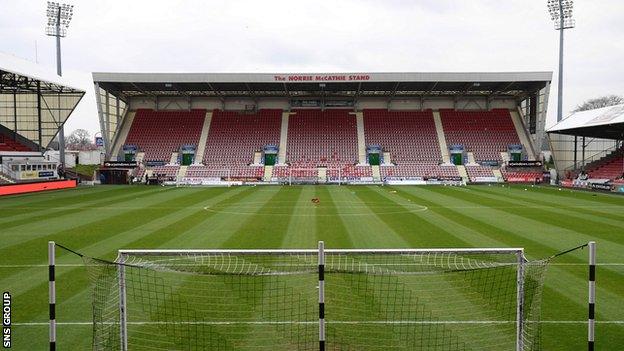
x=315, y=322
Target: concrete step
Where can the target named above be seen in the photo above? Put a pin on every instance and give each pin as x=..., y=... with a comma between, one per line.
x=268, y=173
x=446, y=158
x=463, y=173
x=201, y=144
x=376, y=173
x=322, y=174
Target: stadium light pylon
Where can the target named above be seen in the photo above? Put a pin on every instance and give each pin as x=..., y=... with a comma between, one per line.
x=561, y=14
x=59, y=16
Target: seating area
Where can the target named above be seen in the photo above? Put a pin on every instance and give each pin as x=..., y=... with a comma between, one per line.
x=424, y=170
x=234, y=137
x=484, y=133
x=8, y=144
x=285, y=172
x=611, y=168
x=160, y=133
x=409, y=136
x=234, y=171
x=349, y=172
x=476, y=172
x=321, y=138
x=167, y=171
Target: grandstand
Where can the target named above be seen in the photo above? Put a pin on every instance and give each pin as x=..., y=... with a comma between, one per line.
x=33, y=107
x=415, y=128
x=588, y=148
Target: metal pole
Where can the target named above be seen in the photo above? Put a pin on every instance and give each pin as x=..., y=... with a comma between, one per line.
x=560, y=82
x=592, y=295
x=123, y=313
x=39, y=111
x=15, y=114
x=321, y=288
x=52, y=294
x=60, y=73
x=583, y=153
x=575, y=152
x=520, y=301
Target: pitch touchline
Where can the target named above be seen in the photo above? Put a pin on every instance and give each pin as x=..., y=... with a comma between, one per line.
x=315, y=322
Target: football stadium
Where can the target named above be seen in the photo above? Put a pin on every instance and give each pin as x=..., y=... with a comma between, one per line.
x=309, y=211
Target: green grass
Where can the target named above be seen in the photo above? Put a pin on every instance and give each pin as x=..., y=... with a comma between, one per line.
x=98, y=221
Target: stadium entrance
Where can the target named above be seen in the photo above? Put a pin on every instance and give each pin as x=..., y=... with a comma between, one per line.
x=113, y=176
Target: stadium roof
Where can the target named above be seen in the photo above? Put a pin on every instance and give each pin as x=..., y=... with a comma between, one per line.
x=408, y=84
x=606, y=123
x=34, y=103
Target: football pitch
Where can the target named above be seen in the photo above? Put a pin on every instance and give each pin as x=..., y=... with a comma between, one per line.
x=97, y=221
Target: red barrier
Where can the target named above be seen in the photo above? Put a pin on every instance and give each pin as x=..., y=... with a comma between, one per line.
x=33, y=187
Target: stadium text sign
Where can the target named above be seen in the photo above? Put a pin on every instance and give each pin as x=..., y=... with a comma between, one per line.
x=322, y=78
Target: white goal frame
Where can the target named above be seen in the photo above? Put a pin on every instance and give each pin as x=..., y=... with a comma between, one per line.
x=321, y=251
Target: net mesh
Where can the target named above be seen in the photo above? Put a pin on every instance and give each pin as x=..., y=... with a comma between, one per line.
x=269, y=301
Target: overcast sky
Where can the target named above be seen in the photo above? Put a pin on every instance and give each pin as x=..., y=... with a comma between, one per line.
x=322, y=36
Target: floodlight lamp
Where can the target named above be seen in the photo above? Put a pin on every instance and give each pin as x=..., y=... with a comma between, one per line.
x=59, y=17
x=561, y=13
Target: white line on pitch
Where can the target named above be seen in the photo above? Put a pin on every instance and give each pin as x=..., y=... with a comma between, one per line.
x=316, y=322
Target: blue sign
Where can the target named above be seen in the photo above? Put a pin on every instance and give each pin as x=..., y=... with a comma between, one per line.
x=99, y=141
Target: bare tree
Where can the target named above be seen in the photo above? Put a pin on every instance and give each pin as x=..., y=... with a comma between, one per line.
x=603, y=101
x=80, y=139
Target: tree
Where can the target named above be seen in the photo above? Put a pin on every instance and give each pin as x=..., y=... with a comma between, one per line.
x=80, y=139
x=603, y=101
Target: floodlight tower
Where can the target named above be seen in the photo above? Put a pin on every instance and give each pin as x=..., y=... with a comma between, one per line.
x=561, y=13
x=59, y=16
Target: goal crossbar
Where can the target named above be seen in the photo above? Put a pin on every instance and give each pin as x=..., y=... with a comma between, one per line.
x=169, y=252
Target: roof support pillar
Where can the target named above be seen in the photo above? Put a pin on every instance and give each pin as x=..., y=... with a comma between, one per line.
x=15, y=114
x=583, y=153
x=39, y=111
x=575, y=149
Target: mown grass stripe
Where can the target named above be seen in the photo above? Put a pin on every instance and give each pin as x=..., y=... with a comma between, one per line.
x=364, y=228
x=260, y=230
x=35, y=216
x=547, y=217
x=529, y=198
x=330, y=227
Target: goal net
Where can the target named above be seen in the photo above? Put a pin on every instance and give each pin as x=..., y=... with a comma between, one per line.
x=437, y=299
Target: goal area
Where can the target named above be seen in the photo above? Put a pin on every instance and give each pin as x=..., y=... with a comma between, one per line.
x=317, y=299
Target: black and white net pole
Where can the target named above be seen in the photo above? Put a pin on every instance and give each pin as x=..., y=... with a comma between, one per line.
x=52, y=293
x=59, y=16
x=321, y=288
x=561, y=14
x=123, y=309
x=592, y=295
x=520, y=301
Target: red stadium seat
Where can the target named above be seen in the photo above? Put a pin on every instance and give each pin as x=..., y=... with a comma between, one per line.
x=160, y=133
x=484, y=133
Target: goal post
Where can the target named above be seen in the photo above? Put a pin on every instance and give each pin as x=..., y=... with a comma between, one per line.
x=318, y=299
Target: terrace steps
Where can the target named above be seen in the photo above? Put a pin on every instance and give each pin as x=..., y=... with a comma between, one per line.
x=201, y=145
x=446, y=159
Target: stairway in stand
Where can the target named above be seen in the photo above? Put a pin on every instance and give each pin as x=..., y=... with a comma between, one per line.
x=463, y=173
x=181, y=173
x=322, y=174
x=376, y=173
x=268, y=173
